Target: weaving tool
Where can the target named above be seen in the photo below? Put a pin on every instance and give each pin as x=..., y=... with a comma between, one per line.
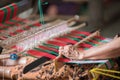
x=8, y=51
x=41, y=51
x=97, y=33
x=14, y=39
x=51, y=47
x=42, y=32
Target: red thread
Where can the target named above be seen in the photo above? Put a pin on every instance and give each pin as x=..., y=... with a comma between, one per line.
x=84, y=45
x=1, y=15
x=100, y=37
x=8, y=22
x=39, y=54
x=37, y=24
x=18, y=18
x=8, y=13
x=12, y=34
x=93, y=41
x=15, y=9
x=76, y=36
x=48, y=48
x=3, y=26
x=80, y=32
x=56, y=43
x=66, y=40
x=20, y=30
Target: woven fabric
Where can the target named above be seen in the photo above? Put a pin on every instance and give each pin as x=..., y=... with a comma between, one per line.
x=8, y=12
x=15, y=23
x=52, y=46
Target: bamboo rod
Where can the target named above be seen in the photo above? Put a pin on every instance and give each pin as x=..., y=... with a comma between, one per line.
x=97, y=33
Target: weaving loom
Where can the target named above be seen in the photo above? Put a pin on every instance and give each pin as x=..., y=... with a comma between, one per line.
x=36, y=34
x=16, y=30
x=15, y=26
x=29, y=37
x=52, y=46
x=21, y=29
x=50, y=49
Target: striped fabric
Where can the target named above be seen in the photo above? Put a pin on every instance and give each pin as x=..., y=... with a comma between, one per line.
x=15, y=23
x=8, y=12
x=52, y=46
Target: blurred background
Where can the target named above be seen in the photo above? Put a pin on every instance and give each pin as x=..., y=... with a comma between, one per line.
x=100, y=14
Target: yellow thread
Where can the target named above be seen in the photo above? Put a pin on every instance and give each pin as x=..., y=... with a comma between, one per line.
x=107, y=74
x=95, y=77
x=102, y=72
x=105, y=70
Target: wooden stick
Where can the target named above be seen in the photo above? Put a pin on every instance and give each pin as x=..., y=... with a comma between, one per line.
x=97, y=33
x=75, y=18
x=8, y=51
x=4, y=56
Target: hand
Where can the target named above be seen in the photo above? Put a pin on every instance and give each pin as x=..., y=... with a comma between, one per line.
x=71, y=52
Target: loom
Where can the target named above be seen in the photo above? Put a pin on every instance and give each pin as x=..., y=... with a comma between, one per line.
x=39, y=34
x=70, y=38
x=31, y=38
x=50, y=49
x=16, y=36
